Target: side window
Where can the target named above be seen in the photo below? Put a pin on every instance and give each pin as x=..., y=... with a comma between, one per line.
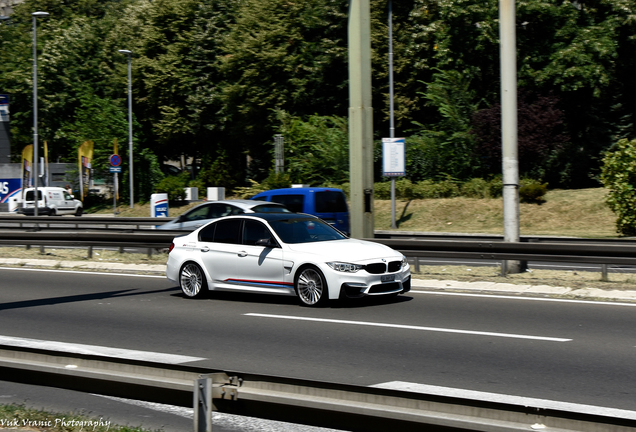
x=228, y=231
x=294, y=203
x=207, y=233
x=330, y=202
x=254, y=231
x=196, y=214
x=67, y=196
x=235, y=210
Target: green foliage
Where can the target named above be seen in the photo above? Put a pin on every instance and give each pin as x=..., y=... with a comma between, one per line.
x=211, y=78
x=217, y=174
x=618, y=174
x=475, y=188
x=316, y=150
x=451, y=141
x=244, y=192
x=174, y=186
x=278, y=181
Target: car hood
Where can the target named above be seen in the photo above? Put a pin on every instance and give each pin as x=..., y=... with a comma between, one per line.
x=350, y=250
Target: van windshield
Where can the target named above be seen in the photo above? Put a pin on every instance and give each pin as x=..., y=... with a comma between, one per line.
x=330, y=202
x=30, y=194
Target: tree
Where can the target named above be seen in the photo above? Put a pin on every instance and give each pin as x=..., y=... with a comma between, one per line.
x=282, y=55
x=618, y=174
x=541, y=135
x=316, y=150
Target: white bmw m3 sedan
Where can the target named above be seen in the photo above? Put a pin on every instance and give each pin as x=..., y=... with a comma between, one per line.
x=286, y=254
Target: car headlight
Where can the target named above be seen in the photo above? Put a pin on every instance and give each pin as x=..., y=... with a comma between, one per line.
x=405, y=262
x=345, y=267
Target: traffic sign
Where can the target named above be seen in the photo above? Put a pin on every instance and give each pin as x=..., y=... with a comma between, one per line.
x=115, y=169
x=115, y=160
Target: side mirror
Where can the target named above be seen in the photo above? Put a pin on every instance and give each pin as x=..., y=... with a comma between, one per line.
x=267, y=242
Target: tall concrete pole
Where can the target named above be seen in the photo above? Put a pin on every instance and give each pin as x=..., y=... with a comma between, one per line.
x=360, y=120
x=510, y=165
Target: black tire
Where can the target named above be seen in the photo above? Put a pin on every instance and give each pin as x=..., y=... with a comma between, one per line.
x=192, y=280
x=52, y=212
x=79, y=211
x=311, y=286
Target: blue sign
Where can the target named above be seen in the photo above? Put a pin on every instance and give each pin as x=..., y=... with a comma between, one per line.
x=115, y=160
x=9, y=188
x=114, y=169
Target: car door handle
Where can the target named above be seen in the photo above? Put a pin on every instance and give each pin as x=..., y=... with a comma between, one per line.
x=205, y=249
x=242, y=254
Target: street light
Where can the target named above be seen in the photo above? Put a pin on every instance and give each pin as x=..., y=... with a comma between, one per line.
x=35, y=108
x=130, y=136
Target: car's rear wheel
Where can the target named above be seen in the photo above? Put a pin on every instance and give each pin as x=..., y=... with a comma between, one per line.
x=311, y=286
x=52, y=212
x=192, y=280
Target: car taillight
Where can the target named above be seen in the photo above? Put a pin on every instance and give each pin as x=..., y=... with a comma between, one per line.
x=171, y=247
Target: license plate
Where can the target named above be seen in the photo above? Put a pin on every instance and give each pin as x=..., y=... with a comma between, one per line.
x=387, y=278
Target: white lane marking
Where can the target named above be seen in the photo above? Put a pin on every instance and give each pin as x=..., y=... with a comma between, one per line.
x=514, y=297
x=410, y=327
x=82, y=272
x=503, y=398
x=97, y=350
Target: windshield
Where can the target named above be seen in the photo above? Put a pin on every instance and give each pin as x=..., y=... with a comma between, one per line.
x=270, y=208
x=305, y=231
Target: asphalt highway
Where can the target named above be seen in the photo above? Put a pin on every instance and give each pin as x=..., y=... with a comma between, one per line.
x=565, y=351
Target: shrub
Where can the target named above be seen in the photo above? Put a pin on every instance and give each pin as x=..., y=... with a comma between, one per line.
x=249, y=191
x=382, y=190
x=475, y=188
x=174, y=186
x=618, y=174
x=277, y=180
x=532, y=191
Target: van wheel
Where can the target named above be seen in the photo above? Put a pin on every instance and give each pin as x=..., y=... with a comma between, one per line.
x=79, y=211
x=52, y=212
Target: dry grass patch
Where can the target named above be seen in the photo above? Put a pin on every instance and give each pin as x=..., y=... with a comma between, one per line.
x=576, y=213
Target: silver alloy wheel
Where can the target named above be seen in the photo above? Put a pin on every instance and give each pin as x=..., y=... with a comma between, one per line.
x=311, y=286
x=192, y=280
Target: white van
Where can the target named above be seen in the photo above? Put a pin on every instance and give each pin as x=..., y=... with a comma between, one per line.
x=51, y=201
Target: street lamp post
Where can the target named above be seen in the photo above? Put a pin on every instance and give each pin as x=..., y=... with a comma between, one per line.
x=35, y=108
x=130, y=136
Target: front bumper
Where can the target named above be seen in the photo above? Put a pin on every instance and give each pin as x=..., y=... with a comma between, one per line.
x=376, y=288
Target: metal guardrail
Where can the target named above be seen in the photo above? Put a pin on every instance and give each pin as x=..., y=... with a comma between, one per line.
x=578, y=252
x=341, y=406
x=20, y=221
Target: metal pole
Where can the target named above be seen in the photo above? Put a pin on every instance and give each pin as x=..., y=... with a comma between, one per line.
x=360, y=119
x=391, y=105
x=510, y=163
x=35, y=15
x=130, y=135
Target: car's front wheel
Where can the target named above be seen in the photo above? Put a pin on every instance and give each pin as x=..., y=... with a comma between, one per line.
x=192, y=280
x=79, y=211
x=311, y=286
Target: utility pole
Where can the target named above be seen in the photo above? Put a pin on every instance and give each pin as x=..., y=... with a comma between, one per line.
x=360, y=120
x=510, y=164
